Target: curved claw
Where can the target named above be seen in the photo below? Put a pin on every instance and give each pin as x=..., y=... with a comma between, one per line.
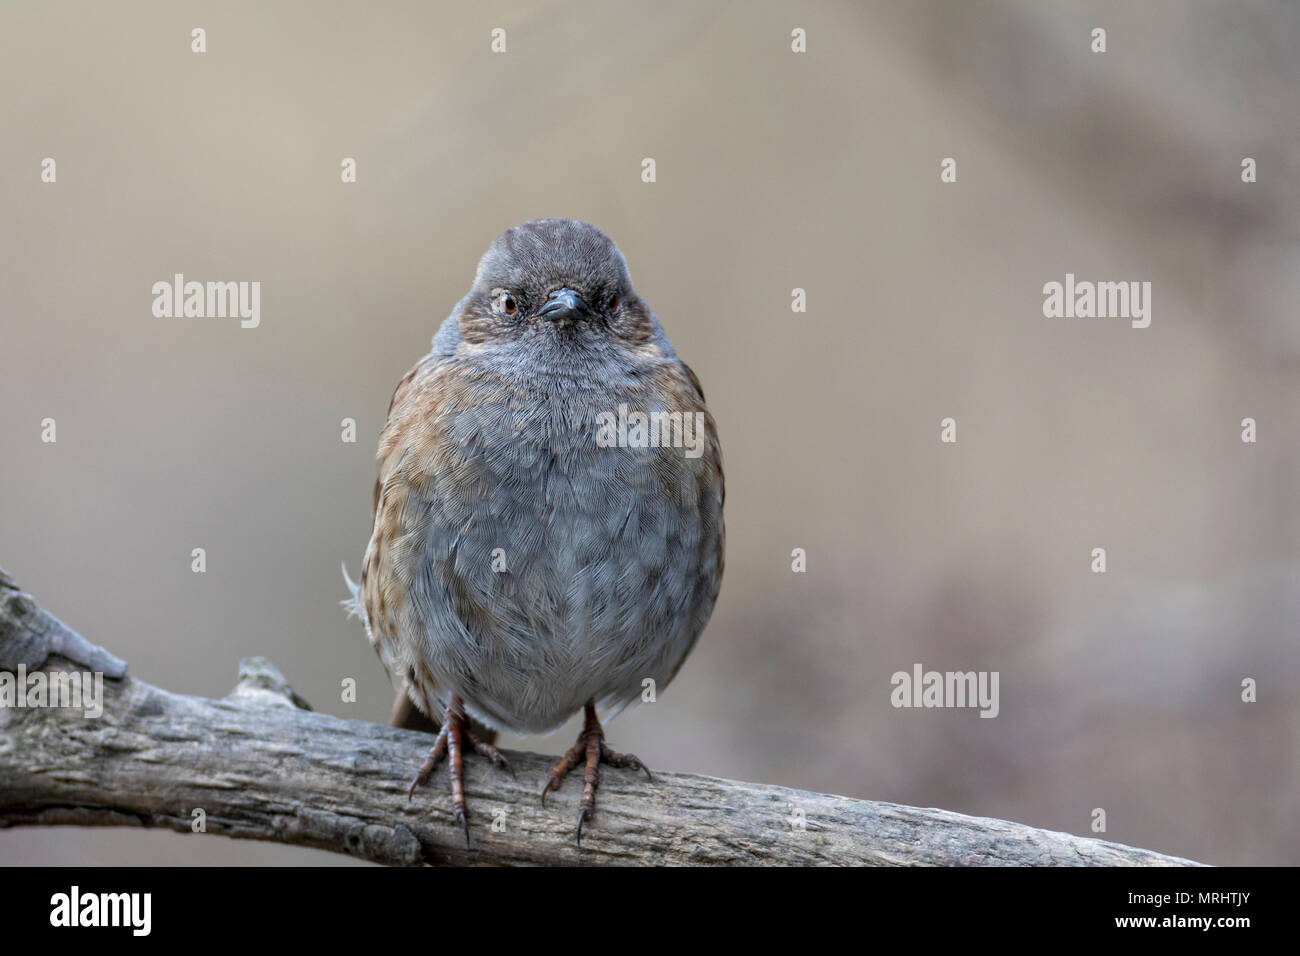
x=464, y=825
x=500, y=760
x=582, y=818
x=626, y=761
x=633, y=762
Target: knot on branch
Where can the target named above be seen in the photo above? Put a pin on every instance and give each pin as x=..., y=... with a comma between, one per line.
x=260, y=681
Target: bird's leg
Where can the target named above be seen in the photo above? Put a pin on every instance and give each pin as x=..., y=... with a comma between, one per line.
x=591, y=750
x=436, y=753
x=450, y=744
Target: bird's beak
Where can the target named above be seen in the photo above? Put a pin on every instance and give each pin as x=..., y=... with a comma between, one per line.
x=563, y=304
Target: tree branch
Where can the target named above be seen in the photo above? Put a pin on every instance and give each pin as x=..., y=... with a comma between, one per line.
x=261, y=765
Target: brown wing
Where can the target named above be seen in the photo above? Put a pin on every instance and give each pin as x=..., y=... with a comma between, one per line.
x=707, y=594
x=380, y=593
x=398, y=393
x=411, y=435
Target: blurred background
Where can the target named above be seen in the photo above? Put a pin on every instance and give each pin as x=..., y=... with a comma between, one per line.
x=775, y=170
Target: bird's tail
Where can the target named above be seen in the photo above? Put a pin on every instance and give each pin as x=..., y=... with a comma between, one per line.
x=353, y=604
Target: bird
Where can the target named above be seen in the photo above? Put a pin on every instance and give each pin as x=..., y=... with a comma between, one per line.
x=547, y=531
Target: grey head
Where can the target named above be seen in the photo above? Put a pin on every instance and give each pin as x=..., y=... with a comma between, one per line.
x=552, y=288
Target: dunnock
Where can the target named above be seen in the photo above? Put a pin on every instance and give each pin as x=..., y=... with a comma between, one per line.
x=548, y=530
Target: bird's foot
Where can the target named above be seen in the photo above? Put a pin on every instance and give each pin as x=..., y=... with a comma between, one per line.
x=591, y=750
x=450, y=745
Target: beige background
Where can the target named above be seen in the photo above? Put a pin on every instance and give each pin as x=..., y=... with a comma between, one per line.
x=775, y=170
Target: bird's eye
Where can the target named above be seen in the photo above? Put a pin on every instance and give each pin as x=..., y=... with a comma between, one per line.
x=508, y=304
x=613, y=303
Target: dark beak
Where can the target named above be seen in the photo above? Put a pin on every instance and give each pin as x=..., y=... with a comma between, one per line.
x=563, y=304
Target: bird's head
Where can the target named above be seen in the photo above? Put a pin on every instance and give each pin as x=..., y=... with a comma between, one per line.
x=554, y=283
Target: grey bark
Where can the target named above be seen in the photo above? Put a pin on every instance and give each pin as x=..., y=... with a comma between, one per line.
x=261, y=765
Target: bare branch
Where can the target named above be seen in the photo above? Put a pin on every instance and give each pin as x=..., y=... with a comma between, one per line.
x=261, y=766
